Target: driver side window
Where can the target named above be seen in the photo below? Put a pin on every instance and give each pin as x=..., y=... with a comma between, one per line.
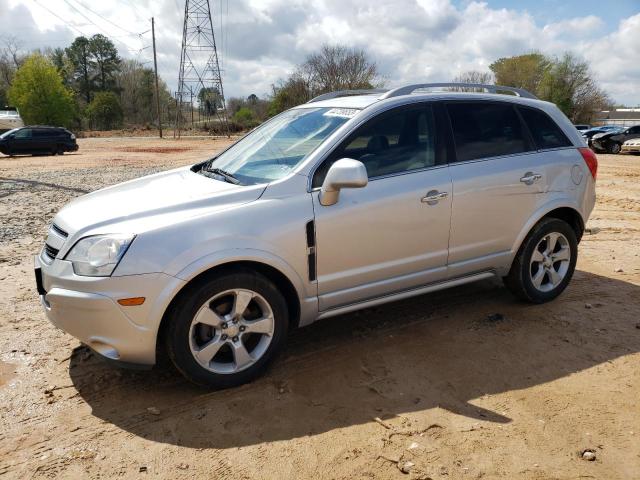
x=393, y=142
x=24, y=133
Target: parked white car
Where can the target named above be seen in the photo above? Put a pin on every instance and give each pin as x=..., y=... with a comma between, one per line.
x=631, y=146
x=9, y=119
x=349, y=201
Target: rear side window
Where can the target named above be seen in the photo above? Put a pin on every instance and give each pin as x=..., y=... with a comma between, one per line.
x=42, y=133
x=544, y=131
x=483, y=130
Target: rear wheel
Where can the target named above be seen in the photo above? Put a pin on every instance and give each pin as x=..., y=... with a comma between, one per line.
x=224, y=331
x=545, y=262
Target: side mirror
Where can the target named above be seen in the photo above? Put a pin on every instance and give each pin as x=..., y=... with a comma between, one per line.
x=345, y=173
x=12, y=136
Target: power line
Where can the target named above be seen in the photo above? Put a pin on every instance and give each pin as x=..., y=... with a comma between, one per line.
x=106, y=19
x=58, y=17
x=85, y=17
x=129, y=47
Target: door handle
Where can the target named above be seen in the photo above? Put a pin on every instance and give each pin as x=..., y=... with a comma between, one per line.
x=433, y=197
x=530, y=178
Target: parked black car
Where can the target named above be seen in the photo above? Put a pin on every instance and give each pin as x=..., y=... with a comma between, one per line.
x=611, y=142
x=589, y=134
x=38, y=140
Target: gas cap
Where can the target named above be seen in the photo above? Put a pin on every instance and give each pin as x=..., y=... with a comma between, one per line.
x=576, y=174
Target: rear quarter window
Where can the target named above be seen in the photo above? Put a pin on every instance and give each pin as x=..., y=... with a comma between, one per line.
x=485, y=129
x=545, y=132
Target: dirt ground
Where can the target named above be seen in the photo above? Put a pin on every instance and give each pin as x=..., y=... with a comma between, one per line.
x=439, y=386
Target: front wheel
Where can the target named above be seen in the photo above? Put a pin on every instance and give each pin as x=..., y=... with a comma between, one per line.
x=224, y=331
x=614, y=147
x=545, y=262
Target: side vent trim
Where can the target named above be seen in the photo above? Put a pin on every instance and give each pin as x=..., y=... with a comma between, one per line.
x=311, y=249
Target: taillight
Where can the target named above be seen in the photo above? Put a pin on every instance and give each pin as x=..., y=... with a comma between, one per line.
x=590, y=159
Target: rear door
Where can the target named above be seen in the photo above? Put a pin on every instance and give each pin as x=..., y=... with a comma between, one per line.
x=393, y=234
x=498, y=182
x=43, y=140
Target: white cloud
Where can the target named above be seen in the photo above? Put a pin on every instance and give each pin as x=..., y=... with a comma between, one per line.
x=412, y=41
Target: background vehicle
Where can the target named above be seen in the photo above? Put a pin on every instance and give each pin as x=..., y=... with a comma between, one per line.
x=10, y=119
x=631, y=146
x=38, y=140
x=603, y=128
x=582, y=128
x=348, y=201
x=611, y=141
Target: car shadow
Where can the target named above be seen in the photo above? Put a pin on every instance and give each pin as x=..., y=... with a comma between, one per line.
x=447, y=349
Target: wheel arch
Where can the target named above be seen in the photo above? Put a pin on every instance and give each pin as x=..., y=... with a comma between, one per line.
x=569, y=215
x=563, y=211
x=280, y=280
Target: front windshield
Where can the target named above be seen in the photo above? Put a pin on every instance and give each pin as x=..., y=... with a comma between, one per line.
x=9, y=132
x=275, y=148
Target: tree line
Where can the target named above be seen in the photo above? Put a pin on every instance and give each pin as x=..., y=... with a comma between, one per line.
x=86, y=85
x=566, y=81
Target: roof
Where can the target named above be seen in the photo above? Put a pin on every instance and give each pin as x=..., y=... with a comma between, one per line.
x=363, y=98
x=363, y=101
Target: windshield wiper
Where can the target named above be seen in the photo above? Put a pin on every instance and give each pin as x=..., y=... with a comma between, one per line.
x=224, y=174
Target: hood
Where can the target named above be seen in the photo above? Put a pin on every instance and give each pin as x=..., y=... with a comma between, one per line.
x=603, y=135
x=152, y=200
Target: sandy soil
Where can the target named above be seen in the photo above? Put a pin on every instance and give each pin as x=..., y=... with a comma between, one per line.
x=438, y=386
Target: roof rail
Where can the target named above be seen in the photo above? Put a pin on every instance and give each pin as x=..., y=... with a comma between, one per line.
x=408, y=89
x=347, y=93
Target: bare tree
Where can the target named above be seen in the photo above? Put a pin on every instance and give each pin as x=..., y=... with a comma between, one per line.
x=472, y=76
x=331, y=68
x=339, y=68
x=11, y=57
x=569, y=84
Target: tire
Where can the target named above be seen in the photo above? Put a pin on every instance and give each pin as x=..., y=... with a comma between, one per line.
x=537, y=276
x=614, y=148
x=60, y=150
x=213, y=300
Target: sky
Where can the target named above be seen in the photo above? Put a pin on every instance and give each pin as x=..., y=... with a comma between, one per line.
x=412, y=41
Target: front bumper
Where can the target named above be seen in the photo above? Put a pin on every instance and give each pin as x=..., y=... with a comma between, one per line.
x=87, y=308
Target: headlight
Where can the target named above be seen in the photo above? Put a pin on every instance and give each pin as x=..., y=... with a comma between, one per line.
x=97, y=256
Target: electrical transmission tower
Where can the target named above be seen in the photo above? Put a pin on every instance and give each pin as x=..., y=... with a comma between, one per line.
x=200, y=97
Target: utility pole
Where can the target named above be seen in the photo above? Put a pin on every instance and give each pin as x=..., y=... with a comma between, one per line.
x=155, y=66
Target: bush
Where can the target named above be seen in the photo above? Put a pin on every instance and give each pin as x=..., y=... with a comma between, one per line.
x=38, y=92
x=245, y=118
x=105, y=112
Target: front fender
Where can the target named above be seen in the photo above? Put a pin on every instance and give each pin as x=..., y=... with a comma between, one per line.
x=223, y=257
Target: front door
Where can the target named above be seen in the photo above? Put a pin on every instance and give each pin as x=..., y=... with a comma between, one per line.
x=21, y=142
x=391, y=235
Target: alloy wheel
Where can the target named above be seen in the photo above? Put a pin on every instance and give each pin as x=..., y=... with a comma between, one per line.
x=550, y=261
x=231, y=331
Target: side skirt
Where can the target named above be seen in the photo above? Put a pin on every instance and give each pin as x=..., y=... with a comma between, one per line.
x=406, y=294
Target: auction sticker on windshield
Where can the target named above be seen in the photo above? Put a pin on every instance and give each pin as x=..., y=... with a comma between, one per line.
x=341, y=112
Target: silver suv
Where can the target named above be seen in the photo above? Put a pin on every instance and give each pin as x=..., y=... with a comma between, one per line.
x=351, y=200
